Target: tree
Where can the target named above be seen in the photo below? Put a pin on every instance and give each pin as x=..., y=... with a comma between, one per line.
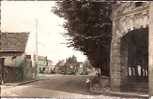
x=87, y=67
x=71, y=65
x=59, y=66
x=87, y=64
x=88, y=25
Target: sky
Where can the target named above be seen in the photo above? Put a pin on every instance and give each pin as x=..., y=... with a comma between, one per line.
x=22, y=16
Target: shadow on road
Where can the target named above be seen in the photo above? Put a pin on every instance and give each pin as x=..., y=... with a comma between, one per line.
x=65, y=83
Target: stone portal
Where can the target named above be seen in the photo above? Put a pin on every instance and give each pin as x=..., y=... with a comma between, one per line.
x=132, y=46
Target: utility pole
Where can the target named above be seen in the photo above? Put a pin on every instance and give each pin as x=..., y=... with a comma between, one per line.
x=36, y=48
x=37, y=37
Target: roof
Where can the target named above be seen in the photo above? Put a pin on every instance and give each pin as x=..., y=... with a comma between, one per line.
x=13, y=41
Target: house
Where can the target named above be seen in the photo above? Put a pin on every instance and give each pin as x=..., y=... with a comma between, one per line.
x=42, y=62
x=45, y=65
x=12, y=46
x=50, y=67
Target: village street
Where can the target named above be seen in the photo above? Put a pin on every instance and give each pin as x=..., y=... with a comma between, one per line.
x=51, y=86
x=65, y=86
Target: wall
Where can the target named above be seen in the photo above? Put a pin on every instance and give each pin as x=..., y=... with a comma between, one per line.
x=28, y=70
x=11, y=74
x=18, y=69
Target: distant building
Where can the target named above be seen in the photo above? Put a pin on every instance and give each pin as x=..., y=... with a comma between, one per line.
x=42, y=63
x=45, y=65
x=50, y=67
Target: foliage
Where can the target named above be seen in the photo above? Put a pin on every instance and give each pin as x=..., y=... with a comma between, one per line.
x=88, y=25
x=87, y=64
x=59, y=67
x=86, y=67
x=71, y=65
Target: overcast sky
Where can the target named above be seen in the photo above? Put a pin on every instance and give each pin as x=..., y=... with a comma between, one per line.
x=21, y=16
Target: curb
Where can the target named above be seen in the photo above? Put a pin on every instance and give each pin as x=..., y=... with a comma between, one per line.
x=128, y=94
x=26, y=82
x=20, y=83
x=122, y=94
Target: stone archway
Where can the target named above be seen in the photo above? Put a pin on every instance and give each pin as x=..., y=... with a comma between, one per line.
x=134, y=60
x=125, y=21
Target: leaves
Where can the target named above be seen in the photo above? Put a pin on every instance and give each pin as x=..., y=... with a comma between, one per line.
x=89, y=26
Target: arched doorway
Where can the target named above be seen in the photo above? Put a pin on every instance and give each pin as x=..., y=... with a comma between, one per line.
x=134, y=60
x=127, y=18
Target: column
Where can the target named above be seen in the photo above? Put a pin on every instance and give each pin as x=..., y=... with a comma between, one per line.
x=115, y=66
x=151, y=50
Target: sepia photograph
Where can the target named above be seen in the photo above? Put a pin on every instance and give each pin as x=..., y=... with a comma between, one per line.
x=76, y=49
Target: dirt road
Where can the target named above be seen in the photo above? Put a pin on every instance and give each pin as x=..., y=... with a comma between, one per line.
x=70, y=87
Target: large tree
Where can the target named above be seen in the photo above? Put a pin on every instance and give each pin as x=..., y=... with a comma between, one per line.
x=88, y=25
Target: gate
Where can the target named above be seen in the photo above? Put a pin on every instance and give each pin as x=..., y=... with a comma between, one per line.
x=137, y=72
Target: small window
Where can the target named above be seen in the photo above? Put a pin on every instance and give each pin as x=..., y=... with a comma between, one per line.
x=138, y=4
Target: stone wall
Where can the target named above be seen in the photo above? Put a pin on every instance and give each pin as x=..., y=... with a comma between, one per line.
x=28, y=70
x=10, y=74
x=18, y=69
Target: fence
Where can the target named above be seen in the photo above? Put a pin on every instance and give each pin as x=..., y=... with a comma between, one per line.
x=137, y=71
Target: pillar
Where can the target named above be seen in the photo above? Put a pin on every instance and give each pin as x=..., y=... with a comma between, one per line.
x=151, y=50
x=118, y=61
x=115, y=66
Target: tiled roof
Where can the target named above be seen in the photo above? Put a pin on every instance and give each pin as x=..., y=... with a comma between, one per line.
x=13, y=42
